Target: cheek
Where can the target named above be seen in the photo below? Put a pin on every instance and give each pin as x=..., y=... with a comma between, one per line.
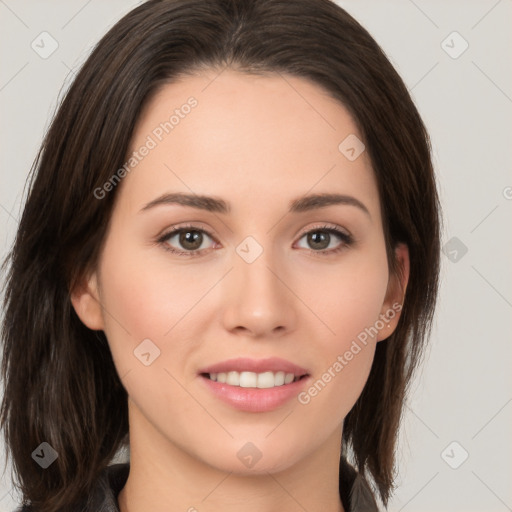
x=348, y=298
x=142, y=299
x=349, y=304
x=149, y=295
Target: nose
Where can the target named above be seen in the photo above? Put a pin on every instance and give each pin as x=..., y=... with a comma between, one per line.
x=258, y=300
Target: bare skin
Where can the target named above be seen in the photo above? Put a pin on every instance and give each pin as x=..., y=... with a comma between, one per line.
x=258, y=143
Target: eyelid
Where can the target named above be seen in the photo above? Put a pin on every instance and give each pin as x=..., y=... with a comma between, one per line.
x=324, y=226
x=193, y=226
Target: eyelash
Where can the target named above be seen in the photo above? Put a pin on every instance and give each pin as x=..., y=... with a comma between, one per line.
x=347, y=240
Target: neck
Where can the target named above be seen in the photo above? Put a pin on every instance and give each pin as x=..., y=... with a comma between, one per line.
x=165, y=477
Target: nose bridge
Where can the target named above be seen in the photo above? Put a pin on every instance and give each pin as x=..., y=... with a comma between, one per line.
x=258, y=300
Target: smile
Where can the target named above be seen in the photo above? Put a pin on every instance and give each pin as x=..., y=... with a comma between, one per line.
x=246, y=379
x=254, y=385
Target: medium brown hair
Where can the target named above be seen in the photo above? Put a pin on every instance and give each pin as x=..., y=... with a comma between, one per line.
x=61, y=385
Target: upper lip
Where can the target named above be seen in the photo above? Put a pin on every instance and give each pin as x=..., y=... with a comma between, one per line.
x=242, y=364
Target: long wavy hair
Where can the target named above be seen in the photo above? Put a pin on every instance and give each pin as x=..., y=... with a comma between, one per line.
x=61, y=386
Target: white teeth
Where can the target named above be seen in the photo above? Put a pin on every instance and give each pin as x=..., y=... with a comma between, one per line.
x=254, y=380
x=288, y=378
x=279, y=379
x=265, y=380
x=233, y=379
x=248, y=380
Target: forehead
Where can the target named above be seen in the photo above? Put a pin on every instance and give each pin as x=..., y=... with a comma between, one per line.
x=247, y=138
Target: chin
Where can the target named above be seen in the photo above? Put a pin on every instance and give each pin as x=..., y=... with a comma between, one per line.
x=253, y=458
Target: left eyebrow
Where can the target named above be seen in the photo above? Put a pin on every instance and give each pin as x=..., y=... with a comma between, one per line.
x=314, y=201
x=217, y=205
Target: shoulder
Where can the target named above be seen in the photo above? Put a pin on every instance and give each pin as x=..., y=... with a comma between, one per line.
x=356, y=495
x=103, y=497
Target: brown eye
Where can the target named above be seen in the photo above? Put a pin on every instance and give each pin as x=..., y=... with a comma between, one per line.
x=323, y=240
x=189, y=241
x=319, y=239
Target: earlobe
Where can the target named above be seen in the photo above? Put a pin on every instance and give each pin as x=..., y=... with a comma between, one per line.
x=86, y=303
x=395, y=295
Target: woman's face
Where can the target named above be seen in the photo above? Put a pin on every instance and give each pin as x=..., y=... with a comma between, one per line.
x=207, y=326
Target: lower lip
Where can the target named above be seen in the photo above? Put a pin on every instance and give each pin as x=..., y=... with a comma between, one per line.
x=255, y=399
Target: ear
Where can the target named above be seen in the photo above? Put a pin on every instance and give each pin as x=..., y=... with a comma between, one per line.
x=86, y=302
x=393, y=302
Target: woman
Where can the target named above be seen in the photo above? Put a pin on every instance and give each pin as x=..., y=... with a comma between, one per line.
x=227, y=262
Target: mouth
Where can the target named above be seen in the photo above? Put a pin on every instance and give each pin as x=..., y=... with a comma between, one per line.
x=247, y=379
x=254, y=385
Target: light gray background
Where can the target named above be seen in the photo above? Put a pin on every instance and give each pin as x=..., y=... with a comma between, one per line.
x=464, y=391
